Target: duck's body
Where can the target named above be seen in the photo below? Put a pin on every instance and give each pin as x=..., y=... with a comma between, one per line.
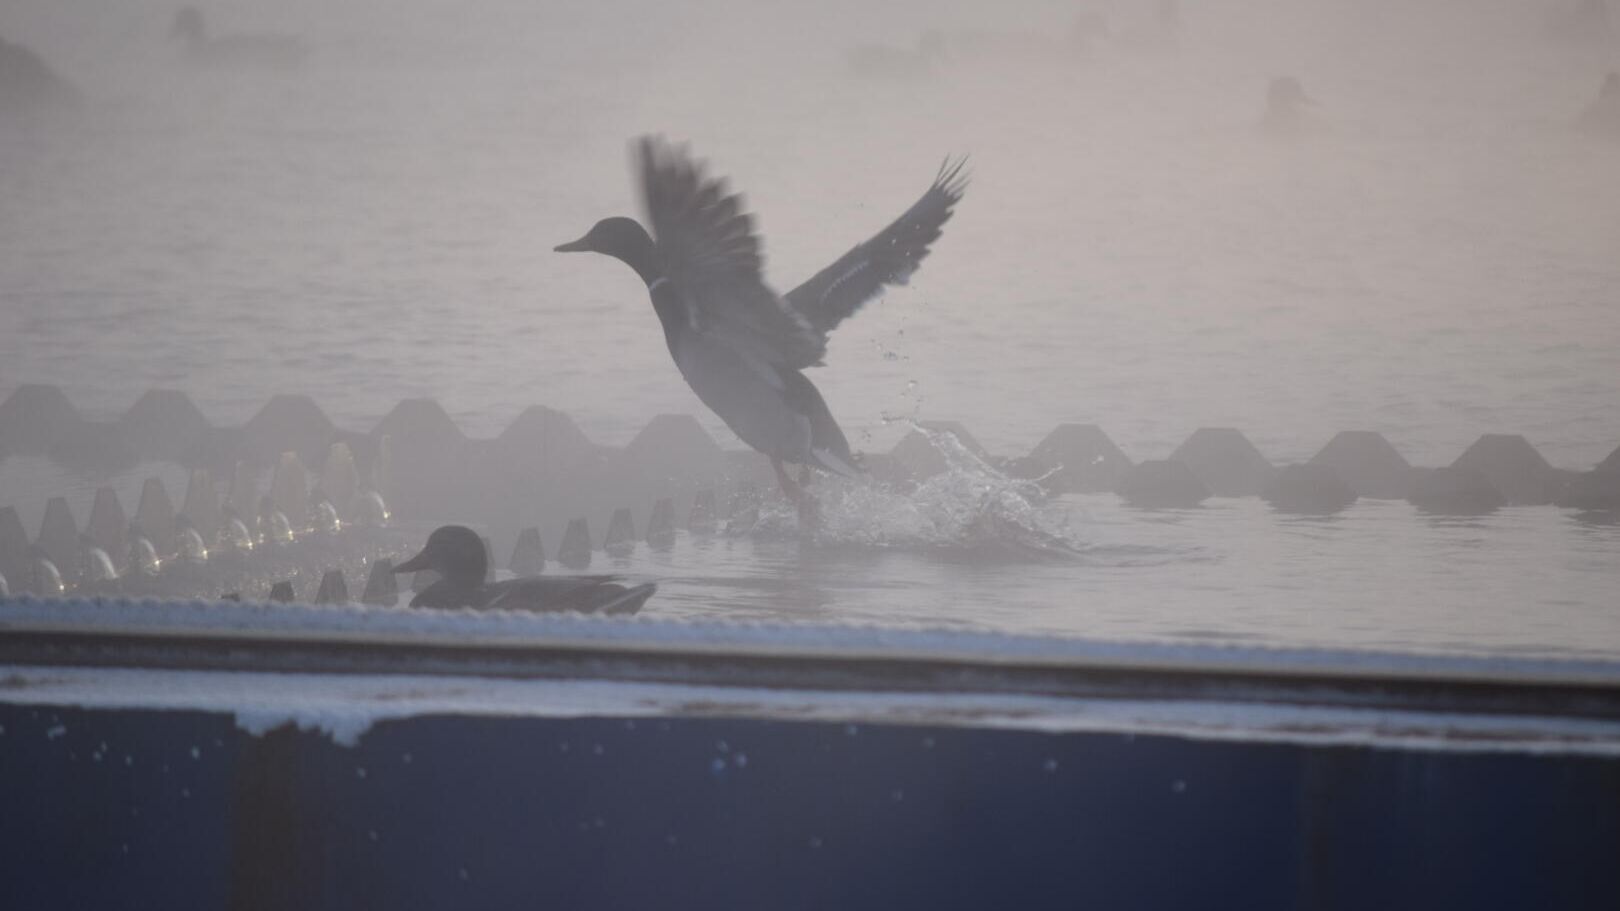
x=739, y=345
x=457, y=554
x=587, y=594
x=773, y=408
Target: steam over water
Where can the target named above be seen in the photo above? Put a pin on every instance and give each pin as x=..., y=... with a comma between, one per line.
x=1437, y=257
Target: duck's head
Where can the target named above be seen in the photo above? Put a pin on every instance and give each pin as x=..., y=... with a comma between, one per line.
x=619, y=237
x=454, y=552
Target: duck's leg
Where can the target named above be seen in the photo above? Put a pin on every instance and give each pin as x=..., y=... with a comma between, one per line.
x=802, y=502
x=809, y=509
x=790, y=488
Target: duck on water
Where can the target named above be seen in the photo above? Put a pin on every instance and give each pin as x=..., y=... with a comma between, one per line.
x=457, y=554
x=739, y=345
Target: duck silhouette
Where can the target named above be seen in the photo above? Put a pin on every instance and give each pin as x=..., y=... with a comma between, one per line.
x=741, y=346
x=457, y=554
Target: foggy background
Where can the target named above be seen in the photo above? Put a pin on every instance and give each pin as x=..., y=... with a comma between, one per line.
x=1437, y=257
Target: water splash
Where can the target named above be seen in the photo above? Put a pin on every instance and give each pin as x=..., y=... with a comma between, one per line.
x=970, y=510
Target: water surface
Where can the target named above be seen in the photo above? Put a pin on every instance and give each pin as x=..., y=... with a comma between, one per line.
x=1438, y=261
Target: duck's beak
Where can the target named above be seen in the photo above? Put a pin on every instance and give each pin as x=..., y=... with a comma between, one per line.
x=415, y=564
x=578, y=246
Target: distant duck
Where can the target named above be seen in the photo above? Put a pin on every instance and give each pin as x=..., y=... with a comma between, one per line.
x=741, y=346
x=1285, y=108
x=457, y=554
x=1602, y=116
x=28, y=85
x=247, y=50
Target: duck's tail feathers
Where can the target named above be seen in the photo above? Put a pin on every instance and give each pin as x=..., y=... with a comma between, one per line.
x=629, y=600
x=826, y=458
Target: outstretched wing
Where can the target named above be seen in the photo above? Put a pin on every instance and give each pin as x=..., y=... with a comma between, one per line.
x=711, y=256
x=889, y=258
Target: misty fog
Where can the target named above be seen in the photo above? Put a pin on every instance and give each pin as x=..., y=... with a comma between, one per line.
x=1434, y=257
x=1286, y=570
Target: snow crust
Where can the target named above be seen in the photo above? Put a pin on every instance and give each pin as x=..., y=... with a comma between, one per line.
x=355, y=622
x=345, y=706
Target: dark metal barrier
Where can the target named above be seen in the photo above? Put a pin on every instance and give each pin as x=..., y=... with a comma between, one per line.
x=543, y=771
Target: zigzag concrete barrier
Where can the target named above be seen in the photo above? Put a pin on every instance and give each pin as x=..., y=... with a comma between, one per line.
x=289, y=469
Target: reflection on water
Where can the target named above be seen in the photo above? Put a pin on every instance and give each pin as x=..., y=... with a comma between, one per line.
x=968, y=551
x=1529, y=580
x=969, y=510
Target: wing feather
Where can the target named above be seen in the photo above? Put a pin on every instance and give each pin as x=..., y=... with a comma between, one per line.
x=888, y=258
x=712, y=257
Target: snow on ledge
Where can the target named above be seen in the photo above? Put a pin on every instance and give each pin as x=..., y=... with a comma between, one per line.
x=354, y=623
x=345, y=707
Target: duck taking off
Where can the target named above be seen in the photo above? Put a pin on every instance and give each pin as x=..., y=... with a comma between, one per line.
x=457, y=554
x=741, y=346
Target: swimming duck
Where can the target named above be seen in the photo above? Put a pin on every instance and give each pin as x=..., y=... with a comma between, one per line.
x=248, y=50
x=741, y=346
x=457, y=554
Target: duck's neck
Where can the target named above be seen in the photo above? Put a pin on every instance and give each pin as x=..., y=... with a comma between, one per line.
x=467, y=572
x=642, y=256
